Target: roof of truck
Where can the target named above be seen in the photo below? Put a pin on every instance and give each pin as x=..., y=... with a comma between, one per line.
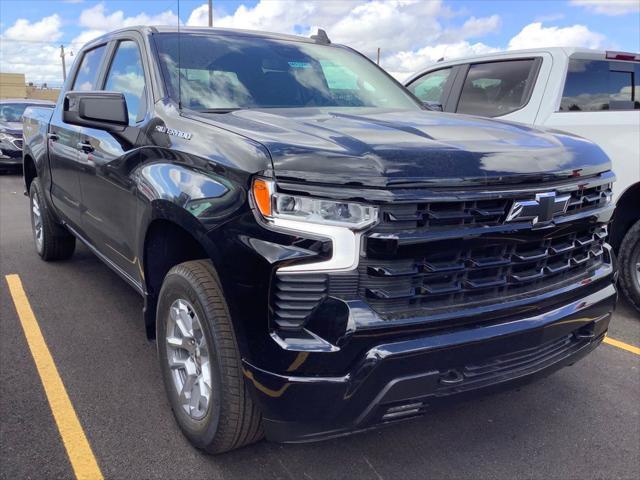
x=150, y=29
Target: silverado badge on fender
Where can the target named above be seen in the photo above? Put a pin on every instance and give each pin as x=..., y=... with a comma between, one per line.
x=174, y=132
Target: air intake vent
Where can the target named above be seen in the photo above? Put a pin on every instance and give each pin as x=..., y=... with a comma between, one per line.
x=295, y=297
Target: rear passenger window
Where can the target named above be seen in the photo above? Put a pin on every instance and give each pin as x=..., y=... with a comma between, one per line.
x=88, y=71
x=430, y=87
x=497, y=88
x=127, y=77
x=595, y=85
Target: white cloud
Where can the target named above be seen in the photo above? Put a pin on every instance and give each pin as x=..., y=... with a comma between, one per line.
x=401, y=28
x=476, y=27
x=472, y=28
x=47, y=29
x=97, y=18
x=98, y=21
x=535, y=35
x=39, y=62
x=199, y=16
x=609, y=7
x=390, y=24
x=26, y=47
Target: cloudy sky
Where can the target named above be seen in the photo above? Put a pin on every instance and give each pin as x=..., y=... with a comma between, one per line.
x=411, y=33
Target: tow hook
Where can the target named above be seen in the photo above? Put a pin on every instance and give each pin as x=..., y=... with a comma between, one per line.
x=451, y=377
x=585, y=333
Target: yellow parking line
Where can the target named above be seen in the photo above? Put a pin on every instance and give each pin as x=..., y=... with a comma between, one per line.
x=622, y=345
x=81, y=456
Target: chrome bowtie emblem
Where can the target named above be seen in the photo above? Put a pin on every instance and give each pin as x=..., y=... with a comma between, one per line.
x=541, y=210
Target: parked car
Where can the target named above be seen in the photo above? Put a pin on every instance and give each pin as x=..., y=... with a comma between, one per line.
x=317, y=253
x=594, y=94
x=11, y=111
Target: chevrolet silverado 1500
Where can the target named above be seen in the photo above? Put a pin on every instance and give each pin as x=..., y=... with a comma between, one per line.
x=317, y=253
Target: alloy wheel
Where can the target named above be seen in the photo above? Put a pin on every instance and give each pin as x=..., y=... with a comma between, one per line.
x=189, y=359
x=36, y=217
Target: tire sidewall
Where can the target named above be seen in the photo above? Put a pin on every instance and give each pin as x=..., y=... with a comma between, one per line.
x=632, y=259
x=628, y=256
x=34, y=191
x=199, y=432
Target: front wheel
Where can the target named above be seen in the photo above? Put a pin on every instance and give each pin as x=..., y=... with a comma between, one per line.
x=629, y=265
x=53, y=241
x=200, y=361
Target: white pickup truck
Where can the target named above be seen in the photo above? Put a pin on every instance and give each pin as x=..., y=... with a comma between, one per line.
x=593, y=94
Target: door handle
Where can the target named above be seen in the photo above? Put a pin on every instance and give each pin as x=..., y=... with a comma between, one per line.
x=86, y=147
x=53, y=137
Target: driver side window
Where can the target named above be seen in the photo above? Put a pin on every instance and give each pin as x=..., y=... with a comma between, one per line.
x=126, y=76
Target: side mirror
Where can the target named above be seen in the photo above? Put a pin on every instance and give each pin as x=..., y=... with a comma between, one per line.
x=97, y=109
x=433, y=106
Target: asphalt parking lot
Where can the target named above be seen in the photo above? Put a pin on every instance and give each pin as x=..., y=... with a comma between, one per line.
x=582, y=422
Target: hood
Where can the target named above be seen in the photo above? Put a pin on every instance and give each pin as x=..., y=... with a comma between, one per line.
x=14, y=128
x=384, y=148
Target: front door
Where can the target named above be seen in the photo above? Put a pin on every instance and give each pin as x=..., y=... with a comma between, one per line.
x=108, y=191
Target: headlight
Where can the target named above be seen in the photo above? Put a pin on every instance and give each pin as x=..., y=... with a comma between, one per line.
x=272, y=204
x=6, y=137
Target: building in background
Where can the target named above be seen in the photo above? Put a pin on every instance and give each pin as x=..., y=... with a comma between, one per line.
x=14, y=85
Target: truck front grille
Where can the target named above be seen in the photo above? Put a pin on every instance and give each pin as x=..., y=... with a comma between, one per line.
x=486, y=212
x=458, y=273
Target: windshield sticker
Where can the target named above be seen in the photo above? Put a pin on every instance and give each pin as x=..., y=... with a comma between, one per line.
x=299, y=64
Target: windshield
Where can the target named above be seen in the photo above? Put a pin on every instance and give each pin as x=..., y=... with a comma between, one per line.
x=12, y=112
x=228, y=71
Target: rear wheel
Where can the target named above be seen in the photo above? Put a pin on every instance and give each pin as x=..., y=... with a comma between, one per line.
x=629, y=265
x=200, y=361
x=53, y=241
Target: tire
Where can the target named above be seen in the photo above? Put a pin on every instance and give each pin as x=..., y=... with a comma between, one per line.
x=191, y=296
x=629, y=265
x=53, y=241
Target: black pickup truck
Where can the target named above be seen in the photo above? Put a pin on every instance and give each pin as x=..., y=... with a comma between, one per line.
x=318, y=254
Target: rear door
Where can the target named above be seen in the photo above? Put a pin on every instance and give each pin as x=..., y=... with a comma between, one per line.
x=64, y=160
x=108, y=191
x=601, y=102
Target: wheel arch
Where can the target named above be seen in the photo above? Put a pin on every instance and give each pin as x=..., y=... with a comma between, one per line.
x=29, y=170
x=169, y=239
x=627, y=213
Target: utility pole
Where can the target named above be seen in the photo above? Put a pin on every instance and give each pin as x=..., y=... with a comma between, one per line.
x=64, y=67
x=211, y=13
x=378, y=60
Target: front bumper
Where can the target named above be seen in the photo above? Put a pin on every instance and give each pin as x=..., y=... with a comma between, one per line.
x=10, y=155
x=405, y=378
